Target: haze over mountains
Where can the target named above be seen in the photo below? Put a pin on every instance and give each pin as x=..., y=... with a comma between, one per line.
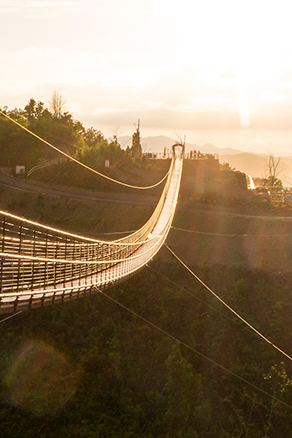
x=252, y=164
x=158, y=143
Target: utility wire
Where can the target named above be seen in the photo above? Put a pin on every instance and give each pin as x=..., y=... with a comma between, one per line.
x=194, y=296
x=229, y=235
x=193, y=349
x=11, y=316
x=82, y=164
x=199, y=299
x=228, y=307
x=113, y=232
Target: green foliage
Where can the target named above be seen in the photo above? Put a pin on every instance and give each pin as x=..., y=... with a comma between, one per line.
x=226, y=167
x=19, y=147
x=92, y=137
x=96, y=152
x=270, y=181
x=136, y=148
x=39, y=379
x=209, y=197
x=89, y=368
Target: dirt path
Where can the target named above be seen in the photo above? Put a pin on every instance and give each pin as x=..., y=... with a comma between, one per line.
x=220, y=234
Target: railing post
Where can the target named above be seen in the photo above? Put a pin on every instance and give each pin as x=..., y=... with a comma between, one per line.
x=80, y=267
x=33, y=262
x=72, y=265
x=2, y=266
x=65, y=264
x=56, y=264
x=46, y=263
x=20, y=237
x=19, y=260
x=3, y=233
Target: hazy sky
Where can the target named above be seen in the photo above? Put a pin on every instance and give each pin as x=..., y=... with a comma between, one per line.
x=215, y=71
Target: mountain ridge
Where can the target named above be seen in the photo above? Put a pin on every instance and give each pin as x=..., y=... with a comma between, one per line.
x=156, y=144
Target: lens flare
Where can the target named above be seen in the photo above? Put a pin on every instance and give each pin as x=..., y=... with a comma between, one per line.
x=40, y=379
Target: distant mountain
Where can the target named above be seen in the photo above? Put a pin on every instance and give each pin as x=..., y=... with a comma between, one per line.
x=256, y=166
x=149, y=144
x=209, y=148
x=251, y=164
x=158, y=143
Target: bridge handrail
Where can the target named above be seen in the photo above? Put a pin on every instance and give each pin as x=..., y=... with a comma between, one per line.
x=36, y=259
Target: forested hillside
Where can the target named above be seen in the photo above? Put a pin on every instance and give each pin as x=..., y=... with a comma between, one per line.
x=92, y=368
x=57, y=127
x=161, y=357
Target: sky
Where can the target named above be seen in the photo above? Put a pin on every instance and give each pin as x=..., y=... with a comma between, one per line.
x=213, y=71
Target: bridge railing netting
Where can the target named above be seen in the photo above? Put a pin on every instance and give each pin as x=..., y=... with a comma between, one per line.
x=35, y=258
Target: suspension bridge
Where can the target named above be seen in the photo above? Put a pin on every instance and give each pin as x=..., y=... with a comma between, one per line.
x=41, y=265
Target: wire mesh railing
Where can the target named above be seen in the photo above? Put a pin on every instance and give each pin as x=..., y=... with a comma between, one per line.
x=40, y=264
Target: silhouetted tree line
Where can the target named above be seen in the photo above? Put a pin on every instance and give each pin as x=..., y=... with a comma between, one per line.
x=57, y=126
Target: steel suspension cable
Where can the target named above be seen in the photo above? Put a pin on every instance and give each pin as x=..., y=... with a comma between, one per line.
x=228, y=307
x=194, y=296
x=82, y=164
x=229, y=235
x=11, y=316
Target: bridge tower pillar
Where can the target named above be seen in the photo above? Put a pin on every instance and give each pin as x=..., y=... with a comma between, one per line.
x=178, y=150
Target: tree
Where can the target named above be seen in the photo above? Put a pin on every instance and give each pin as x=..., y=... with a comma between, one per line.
x=273, y=169
x=92, y=137
x=226, y=166
x=34, y=110
x=57, y=104
x=30, y=109
x=136, y=144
